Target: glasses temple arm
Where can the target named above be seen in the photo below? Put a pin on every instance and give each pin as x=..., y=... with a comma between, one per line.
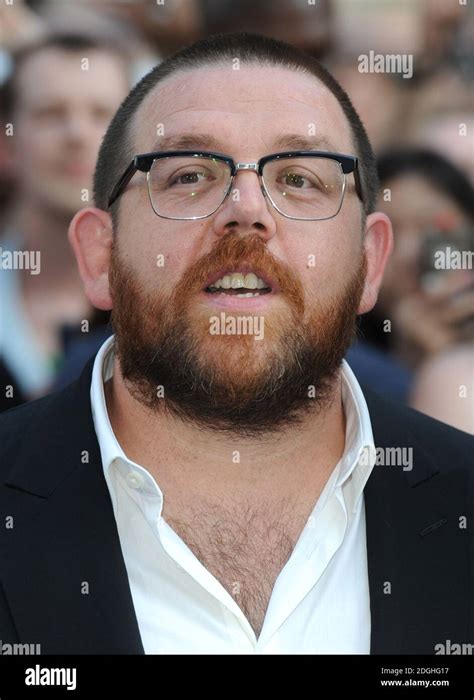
x=358, y=183
x=122, y=183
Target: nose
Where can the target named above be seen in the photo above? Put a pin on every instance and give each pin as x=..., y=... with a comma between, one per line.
x=76, y=128
x=246, y=208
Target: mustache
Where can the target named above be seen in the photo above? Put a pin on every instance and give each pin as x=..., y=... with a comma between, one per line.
x=233, y=250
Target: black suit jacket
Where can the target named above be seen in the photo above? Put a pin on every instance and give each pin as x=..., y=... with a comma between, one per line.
x=63, y=581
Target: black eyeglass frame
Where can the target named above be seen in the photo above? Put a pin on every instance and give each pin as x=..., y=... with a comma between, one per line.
x=143, y=162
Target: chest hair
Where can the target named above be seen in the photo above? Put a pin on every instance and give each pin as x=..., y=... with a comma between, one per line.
x=245, y=547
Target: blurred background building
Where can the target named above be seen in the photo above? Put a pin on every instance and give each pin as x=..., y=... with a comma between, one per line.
x=417, y=345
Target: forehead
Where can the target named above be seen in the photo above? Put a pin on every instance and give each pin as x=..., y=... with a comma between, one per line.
x=245, y=109
x=54, y=72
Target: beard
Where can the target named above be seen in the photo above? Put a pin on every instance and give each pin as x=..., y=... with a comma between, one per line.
x=232, y=384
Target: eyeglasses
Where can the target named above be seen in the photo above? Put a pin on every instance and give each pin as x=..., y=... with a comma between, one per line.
x=185, y=185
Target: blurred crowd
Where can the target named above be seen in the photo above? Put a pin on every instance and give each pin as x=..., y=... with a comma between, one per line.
x=417, y=345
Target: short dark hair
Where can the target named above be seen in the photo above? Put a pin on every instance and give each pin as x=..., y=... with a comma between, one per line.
x=116, y=153
x=65, y=41
x=434, y=168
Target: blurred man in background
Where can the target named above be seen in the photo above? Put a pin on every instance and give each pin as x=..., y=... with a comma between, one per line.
x=58, y=102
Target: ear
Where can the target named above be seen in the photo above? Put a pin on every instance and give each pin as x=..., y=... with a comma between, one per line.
x=91, y=236
x=378, y=244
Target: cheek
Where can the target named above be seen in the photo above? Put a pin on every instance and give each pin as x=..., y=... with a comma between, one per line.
x=160, y=261
x=164, y=269
x=323, y=257
x=94, y=136
x=38, y=146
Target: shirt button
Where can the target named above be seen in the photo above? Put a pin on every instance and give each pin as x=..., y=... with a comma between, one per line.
x=134, y=480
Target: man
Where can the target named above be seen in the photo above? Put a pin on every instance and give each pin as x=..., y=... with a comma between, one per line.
x=208, y=484
x=59, y=99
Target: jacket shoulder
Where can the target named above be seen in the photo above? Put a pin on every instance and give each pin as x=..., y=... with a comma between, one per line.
x=27, y=425
x=35, y=429
x=447, y=446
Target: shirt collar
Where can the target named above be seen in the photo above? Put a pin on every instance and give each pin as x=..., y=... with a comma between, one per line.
x=358, y=459
x=353, y=470
x=110, y=448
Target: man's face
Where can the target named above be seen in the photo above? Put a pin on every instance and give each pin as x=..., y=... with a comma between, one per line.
x=61, y=115
x=161, y=268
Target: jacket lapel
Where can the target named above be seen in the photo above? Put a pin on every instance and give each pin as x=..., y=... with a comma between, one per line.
x=64, y=571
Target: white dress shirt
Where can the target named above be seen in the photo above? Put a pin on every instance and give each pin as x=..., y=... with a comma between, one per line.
x=320, y=601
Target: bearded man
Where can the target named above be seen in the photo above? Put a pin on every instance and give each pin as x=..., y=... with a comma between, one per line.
x=204, y=487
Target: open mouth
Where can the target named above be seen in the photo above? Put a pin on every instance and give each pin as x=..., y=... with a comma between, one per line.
x=239, y=284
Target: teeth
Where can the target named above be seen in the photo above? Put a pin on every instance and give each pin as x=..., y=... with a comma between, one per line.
x=236, y=280
x=245, y=295
x=251, y=281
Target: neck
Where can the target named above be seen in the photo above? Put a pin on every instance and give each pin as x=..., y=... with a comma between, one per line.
x=189, y=460
x=44, y=229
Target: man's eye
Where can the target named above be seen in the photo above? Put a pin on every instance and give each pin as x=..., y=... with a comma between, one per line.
x=298, y=181
x=295, y=180
x=45, y=113
x=190, y=178
x=102, y=113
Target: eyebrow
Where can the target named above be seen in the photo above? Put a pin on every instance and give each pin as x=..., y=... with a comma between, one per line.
x=209, y=142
